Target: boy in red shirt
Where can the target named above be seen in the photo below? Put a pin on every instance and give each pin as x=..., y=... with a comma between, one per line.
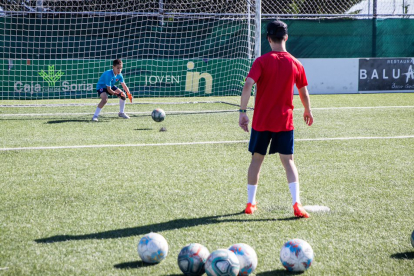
x=275, y=74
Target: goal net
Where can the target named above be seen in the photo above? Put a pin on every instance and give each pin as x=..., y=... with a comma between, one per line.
x=188, y=48
x=59, y=49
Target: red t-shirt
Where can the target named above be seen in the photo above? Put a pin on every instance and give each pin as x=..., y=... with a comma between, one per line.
x=275, y=73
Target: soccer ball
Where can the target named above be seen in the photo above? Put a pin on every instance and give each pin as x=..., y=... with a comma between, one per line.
x=222, y=262
x=192, y=258
x=247, y=257
x=153, y=248
x=158, y=115
x=412, y=238
x=296, y=255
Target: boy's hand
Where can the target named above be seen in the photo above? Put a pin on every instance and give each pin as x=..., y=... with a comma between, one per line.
x=308, y=117
x=244, y=121
x=129, y=96
x=121, y=95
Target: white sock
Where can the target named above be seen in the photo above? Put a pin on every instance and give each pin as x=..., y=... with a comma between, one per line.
x=97, y=111
x=121, y=106
x=251, y=194
x=294, y=191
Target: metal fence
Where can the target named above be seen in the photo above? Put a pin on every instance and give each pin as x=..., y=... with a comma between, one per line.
x=290, y=9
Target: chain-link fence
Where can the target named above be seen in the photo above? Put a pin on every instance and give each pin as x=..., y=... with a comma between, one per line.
x=337, y=8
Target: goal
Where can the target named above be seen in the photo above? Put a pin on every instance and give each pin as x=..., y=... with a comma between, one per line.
x=59, y=49
x=52, y=49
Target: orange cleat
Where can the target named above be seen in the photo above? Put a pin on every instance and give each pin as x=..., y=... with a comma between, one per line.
x=250, y=208
x=299, y=211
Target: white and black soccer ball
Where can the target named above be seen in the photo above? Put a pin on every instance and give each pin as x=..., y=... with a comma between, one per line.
x=296, y=255
x=192, y=258
x=152, y=248
x=158, y=115
x=222, y=262
x=247, y=258
x=412, y=238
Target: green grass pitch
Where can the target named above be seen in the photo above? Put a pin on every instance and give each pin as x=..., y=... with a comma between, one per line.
x=82, y=210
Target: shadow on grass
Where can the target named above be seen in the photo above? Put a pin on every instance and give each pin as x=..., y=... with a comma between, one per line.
x=68, y=121
x=158, y=227
x=145, y=128
x=278, y=272
x=409, y=255
x=132, y=265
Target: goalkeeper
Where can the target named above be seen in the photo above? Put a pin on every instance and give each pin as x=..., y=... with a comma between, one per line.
x=106, y=86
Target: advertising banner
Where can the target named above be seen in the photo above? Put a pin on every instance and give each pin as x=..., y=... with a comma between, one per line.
x=386, y=74
x=49, y=79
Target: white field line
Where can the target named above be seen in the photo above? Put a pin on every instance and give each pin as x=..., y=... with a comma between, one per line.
x=198, y=111
x=4, y=268
x=196, y=143
x=361, y=107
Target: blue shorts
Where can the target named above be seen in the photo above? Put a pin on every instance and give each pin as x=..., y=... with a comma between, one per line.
x=281, y=142
x=102, y=90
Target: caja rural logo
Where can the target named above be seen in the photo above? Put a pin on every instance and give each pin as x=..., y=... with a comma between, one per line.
x=51, y=77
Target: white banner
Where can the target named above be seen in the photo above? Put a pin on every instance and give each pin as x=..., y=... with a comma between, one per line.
x=344, y=76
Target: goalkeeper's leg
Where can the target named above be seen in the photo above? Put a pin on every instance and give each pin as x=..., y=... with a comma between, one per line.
x=104, y=100
x=122, y=97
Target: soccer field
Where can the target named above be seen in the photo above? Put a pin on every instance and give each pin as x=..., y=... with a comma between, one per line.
x=77, y=196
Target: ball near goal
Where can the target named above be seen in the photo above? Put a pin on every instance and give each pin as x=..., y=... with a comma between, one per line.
x=158, y=115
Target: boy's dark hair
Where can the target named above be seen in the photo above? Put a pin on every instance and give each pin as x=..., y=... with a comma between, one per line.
x=275, y=39
x=117, y=62
x=276, y=30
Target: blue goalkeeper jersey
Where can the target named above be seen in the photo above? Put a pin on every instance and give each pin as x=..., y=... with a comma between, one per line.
x=108, y=78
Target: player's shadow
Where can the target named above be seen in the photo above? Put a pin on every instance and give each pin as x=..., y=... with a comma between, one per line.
x=409, y=255
x=132, y=265
x=278, y=272
x=67, y=121
x=158, y=227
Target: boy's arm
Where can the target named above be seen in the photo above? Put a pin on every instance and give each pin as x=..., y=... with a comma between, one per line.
x=112, y=92
x=247, y=90
x=304, y=97
x=125, y=87
x=127, y=91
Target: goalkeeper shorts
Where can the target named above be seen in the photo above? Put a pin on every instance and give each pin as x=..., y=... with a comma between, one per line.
x=102, y=90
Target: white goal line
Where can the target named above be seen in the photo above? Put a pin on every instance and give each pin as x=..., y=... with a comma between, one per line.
x=195, y=111
x=105, y=113
x=196, y=143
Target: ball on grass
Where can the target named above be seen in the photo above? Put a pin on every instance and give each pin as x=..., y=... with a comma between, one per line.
x=152, y=248
x=158, y=115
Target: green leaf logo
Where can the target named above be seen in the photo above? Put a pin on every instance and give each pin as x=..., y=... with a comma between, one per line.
x=51, y=77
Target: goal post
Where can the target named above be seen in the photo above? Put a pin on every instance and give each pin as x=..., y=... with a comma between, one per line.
x=59, y=49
